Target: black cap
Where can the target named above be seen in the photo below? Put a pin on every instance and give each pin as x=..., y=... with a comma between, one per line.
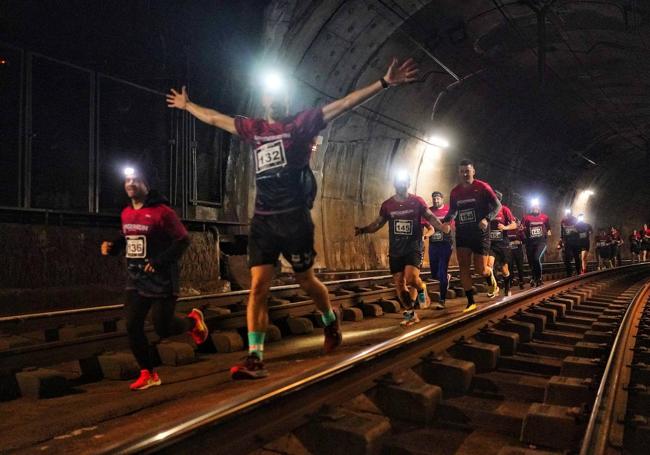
x=436, y=193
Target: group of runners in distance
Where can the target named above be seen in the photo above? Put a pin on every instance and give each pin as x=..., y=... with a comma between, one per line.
x=484, y=230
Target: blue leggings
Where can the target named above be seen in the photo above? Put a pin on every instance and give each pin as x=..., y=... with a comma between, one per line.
x=439, y=254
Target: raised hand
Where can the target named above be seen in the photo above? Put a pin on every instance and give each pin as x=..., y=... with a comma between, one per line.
x=401, y=74
x=106, y=248
x=177, y=100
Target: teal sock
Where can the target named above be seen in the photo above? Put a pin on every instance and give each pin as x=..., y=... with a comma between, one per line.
x=256, y=343
x=328, y=317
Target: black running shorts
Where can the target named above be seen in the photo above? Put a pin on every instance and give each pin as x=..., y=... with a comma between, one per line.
x=290, y=234
x=479, y=243
x=397, y=264
x=501, y=253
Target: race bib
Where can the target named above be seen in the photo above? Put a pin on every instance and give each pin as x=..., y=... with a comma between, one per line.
x=437, y=237
x=536, y=231
x=569, y=230
x=466, y=216
x=583, y=235
x=601, y=244
x=496, y=235
x=403, y=227
x=270, y=156
x=136, y=246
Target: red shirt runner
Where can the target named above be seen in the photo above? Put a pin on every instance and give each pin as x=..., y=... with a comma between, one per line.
x=504, y=217
x=536, y=227
x=469, y=205
x=148, y=232
x=404, y=222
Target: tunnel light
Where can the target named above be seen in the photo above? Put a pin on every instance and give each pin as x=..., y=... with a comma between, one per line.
x=589, y=193
x=438, y=141
x=129, y=172
x=273, y=81
x=581, y=217
x=567, y=211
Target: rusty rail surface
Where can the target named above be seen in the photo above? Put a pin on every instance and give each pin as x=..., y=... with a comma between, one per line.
x=604, y=430
x=278, y=409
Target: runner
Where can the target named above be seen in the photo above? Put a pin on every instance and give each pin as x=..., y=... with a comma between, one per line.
x=645, y=242
x=617, y=243
x=635, y=246
x=570, y=242
x=537, y=228
x=604, y=250
x=517, y=238
x=440, y=248
x=286, y=189
x=503, y=223
x=404, y=212
x=584, y=236
x=473, y=205
x=154, y=240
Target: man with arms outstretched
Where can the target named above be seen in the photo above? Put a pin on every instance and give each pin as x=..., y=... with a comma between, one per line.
x=286, y=189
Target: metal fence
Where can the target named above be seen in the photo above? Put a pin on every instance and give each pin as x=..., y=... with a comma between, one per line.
x=66, y=132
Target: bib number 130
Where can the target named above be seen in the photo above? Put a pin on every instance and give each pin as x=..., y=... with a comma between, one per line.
x=270, y=156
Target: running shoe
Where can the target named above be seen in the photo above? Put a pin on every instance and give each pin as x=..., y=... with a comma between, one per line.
x=439, y=305
x=469, y=308
x=333, y=336
x=146, y=380
x=200, y=331
x=410, y=318
x=509, y=293
x=493, y=288
x=251, y=368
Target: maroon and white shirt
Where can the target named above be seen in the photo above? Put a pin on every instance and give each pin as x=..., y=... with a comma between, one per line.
x=439, y=237
x=281, y=154
x=536, y=227
x=404, y=223
x=148, y=232
x=468, y=205
x=504, y=217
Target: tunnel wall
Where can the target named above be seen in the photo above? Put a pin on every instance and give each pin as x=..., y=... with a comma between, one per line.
x=45, y=267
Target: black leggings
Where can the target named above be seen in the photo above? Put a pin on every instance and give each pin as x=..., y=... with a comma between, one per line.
x=535, y=251
x=165, y=322
x=572, y=253
x=517, y=258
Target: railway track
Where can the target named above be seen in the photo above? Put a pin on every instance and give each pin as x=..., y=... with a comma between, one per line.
x=522, y=373
x=44, y=339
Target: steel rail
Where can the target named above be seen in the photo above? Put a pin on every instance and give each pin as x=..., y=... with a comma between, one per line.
x=315, y=388
x=223, y=295
x=602, y=416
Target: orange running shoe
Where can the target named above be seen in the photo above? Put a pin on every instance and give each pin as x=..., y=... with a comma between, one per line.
x=200, y=331
x=146, y=380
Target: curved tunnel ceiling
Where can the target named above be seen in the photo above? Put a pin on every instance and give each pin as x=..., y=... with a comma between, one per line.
x=546, y=96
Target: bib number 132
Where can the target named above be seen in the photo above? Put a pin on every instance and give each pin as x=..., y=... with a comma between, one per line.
x=270, y=156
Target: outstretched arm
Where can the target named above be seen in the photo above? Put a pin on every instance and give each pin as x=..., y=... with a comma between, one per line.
x=395, y=75
x=209, y=116
x=372, y=227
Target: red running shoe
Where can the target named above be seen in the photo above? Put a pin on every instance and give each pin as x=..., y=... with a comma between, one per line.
x=251, y=368
x=333, y=335
x=146, y=380
x=200, y=331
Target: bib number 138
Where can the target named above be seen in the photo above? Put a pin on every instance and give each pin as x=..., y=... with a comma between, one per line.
x=270, y=156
